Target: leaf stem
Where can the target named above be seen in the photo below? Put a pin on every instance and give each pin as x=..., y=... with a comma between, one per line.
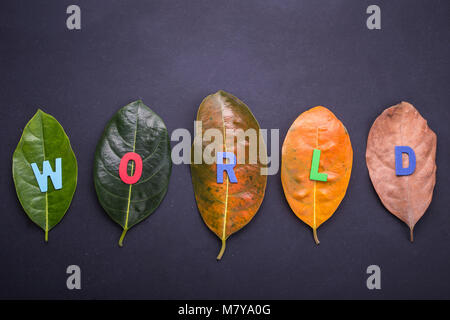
x=122, y=236
x=411, y=234
x=222, y=250
x=46, y=235
x=315, y=236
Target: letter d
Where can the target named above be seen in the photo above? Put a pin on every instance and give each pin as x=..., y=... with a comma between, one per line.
x=399, y=170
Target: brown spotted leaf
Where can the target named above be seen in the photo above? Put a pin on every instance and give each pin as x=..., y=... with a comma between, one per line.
x=227, y=207
x=407, y=197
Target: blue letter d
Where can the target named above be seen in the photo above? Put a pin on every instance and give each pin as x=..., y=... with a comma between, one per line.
x=399, y=170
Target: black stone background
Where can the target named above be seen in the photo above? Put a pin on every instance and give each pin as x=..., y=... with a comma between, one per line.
x=281, y=58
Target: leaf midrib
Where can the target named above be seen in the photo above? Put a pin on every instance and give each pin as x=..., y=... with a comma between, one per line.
x=408, y=208
x=132, y=169
x=226, y=192
x=46, y=193
x=314, y=202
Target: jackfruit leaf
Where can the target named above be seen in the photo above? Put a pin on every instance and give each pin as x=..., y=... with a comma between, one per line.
x=407, y=196
x=227, y=207
x=134, y=128
x=44, y=139
x=313, y=201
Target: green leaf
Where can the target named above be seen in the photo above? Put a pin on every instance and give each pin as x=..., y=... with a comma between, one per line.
x=134, y=128
x=44, y=139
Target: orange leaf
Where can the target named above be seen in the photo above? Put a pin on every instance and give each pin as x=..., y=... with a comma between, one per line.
x=314, y=202
x=227, y=207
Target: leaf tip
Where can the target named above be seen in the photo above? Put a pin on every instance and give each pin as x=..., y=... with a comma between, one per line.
x=40, y=111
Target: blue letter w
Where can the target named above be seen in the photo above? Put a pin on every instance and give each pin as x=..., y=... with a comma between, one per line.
x=55, y=176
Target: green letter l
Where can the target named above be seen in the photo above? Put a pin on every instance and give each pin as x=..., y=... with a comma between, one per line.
x=314, y=174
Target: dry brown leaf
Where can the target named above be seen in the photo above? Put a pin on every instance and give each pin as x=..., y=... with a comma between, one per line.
x=406, y=197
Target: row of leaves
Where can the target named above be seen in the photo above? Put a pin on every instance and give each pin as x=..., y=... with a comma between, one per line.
x=227, y=207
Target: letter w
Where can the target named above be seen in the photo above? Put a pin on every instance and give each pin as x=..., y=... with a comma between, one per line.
x=55, y=176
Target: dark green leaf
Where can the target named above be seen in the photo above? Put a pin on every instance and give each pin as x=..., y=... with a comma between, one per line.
x=44, y=139
x=134, y=128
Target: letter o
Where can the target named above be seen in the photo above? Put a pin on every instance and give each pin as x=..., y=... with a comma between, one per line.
x=124, y=164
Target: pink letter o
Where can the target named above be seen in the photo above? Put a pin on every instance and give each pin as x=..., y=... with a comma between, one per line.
x=137, y=168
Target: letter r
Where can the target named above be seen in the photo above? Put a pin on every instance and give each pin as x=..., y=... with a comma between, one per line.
x=228, y=167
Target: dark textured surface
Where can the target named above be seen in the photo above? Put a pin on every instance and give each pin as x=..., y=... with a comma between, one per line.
x=280, y=58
